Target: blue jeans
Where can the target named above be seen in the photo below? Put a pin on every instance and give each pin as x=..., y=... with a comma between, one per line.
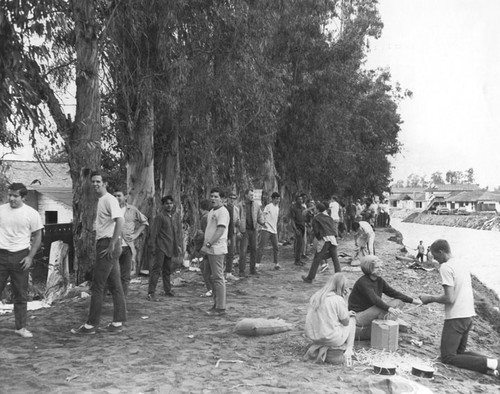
x=216, y=267
x=162, y=264
x=265, y=236
x=9, y=266
x=125, y=268
x=106, y=272
x=249, y=237
x=453, y=345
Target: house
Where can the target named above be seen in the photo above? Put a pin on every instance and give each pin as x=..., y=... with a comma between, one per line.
x=407, y=198
x=475, y=201
x=49, y=188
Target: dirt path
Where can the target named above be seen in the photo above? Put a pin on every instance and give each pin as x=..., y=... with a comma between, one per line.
x=172, y=346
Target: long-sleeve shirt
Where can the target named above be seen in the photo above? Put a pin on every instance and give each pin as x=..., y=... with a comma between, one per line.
x=164, y=234
x=367, y=293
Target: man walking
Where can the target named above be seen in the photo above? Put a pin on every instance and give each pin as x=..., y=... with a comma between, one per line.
x=297, y=222
x=325, y=232
x=108, y=227
x=250, y=217
x=270, y=230
x=134, y=224
x=215, y=248
x=20, y=238
x=165, y=244
x=458, y=300
x=335, y=211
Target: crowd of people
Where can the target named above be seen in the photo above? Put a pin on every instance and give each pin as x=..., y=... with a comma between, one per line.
x=334, y=318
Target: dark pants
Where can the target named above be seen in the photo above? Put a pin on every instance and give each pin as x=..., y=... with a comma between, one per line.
x=205, y=272
x=249, y=237
x=420, y=256
x=298, y=243
x=125, y=268
x=162, y=264
x=349, y=221
x=328, y=250
x=453, y=345
x=19, y=279
x=231, y=247
x=106, y=273
x=265, y=236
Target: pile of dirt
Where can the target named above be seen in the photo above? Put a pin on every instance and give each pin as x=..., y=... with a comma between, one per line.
x=173, y=346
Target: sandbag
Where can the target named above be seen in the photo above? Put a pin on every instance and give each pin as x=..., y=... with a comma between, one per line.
x=257, y=327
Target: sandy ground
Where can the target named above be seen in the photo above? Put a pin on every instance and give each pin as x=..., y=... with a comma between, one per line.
x=172, y=346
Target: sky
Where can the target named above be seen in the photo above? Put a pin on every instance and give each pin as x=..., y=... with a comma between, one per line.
x=447, y=52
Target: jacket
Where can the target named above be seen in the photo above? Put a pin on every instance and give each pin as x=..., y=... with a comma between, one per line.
x=257, y=215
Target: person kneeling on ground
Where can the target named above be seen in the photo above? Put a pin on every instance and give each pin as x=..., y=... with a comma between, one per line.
x=366, y=297
x=458, y=300
x=328, y=323
x=364, y=238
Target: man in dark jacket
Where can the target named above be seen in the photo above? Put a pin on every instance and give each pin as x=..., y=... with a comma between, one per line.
x=325, y=232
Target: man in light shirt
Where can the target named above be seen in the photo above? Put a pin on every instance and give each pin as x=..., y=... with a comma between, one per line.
x=270, y=230
x=108, y=226
x=20, y=238
x=458, y=300
x=134, y=224
x=334, y=211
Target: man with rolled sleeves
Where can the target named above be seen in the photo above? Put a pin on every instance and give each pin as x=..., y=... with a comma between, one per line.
x=20, y=238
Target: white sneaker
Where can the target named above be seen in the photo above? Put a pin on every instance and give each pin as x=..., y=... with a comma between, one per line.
x=230, y=276
x=207, y=294
x=324, y=268
x=23, y=332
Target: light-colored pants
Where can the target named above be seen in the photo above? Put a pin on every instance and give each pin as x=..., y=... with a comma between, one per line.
x=216, y=266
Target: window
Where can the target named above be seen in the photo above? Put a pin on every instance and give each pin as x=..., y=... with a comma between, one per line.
x=50, y=217
x=418, y=204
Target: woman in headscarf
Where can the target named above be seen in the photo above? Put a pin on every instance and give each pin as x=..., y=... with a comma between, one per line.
x=366, y=297
x=328, y=323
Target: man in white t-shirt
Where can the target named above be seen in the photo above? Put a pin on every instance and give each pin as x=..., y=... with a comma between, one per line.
x=270, y=230
x=334, y=211
x=215, y=247
x=458, y=300
x=20, y=238
x=108, y=226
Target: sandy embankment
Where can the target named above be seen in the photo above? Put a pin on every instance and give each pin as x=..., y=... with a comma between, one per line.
x=171, y=346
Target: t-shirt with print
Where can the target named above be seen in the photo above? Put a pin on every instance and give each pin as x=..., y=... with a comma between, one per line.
x=108, y=209
x=217, y=217
x=455, y=273
x=16, y=226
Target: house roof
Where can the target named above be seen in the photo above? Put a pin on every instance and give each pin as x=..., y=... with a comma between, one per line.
x=407, y=190
x=31, y=173
x=474, y=196
x=451, y=188
x=61, y=195
x=407, y=196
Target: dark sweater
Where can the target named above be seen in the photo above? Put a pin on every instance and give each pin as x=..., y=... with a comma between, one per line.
x=323, y=225
x=367, y=293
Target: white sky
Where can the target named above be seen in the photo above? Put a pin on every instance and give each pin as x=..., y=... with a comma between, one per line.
x=447, y=52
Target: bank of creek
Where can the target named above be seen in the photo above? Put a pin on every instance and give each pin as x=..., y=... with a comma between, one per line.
x=171, y=346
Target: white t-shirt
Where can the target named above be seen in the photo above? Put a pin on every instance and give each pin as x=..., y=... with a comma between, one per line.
x=323, y=325
x=334, y=210
x=108, y=209
x=16, y=226
x=217, y=217
x=271, y=214
x=456, y=274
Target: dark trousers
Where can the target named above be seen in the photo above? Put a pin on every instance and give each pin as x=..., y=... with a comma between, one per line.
x=248, y=238
x=328, y=250
x=125, y=268
x=106, y=273
x=231, y=247
x=298, y=244
x=453, y=345
x=162, y=265
x=19, y=279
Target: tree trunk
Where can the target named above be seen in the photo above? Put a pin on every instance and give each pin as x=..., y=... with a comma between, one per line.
x=84, y=141
x=270, y=182
x=140, y=177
